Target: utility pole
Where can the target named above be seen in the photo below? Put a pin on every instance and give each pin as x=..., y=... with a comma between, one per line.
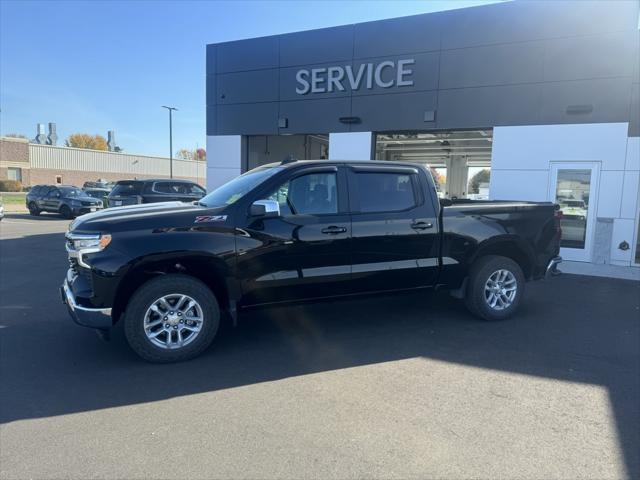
x=171, y=109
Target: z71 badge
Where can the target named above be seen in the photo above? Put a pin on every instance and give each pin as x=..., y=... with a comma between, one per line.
x=210, y=218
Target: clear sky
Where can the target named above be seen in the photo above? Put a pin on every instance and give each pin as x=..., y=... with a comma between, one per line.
x=93, y=66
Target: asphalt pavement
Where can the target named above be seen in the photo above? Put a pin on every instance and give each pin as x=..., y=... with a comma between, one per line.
x=406, y=386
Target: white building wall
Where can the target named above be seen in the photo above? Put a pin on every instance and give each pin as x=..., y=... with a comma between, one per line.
x=350, y=146
x=224, y=159
x=521, y=170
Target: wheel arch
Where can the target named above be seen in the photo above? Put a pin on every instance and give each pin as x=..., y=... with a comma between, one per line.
x=209, y=269
x=511, y=247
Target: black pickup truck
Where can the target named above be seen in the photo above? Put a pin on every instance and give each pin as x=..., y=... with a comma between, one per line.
x=296, y=231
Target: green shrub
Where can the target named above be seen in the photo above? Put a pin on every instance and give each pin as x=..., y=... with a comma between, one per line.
x=10, y=186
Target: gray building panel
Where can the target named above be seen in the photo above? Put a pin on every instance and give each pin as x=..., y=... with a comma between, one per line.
x=212, y=121
x=424, y=75
x=397, y=36
x=211, y=90
x=515, y=63
x=593, y=56
x=247, y=118
x=466, y=107
x=251, y=54
x=248, y=87
x=608, y=98
x=518, y=104
x=316, y=46
x=511, y=22
x=288, y=83
x=401, y=111
x=493, y=65
x=315, y=116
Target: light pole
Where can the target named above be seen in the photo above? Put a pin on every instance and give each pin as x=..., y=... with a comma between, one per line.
x=171, y=109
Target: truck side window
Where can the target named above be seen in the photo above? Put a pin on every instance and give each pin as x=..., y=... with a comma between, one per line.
x=311, y=194
x=385, y=191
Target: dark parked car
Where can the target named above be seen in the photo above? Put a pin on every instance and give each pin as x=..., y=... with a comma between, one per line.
x=297, y=231
x=101, y=194
x=131, y=192
x=67, y=200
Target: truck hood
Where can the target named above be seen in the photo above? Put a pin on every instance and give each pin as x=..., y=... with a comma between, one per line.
x=145, y=216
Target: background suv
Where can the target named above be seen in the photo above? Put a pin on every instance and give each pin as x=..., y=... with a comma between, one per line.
x=66, y=200
x=131, y=192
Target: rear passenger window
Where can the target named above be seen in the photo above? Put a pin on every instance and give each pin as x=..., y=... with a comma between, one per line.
x=385, y=191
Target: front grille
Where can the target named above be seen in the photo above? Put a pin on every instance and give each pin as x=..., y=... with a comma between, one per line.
x=79, y=271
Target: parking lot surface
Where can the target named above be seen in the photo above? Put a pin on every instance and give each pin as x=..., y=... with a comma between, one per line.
x=408, y=386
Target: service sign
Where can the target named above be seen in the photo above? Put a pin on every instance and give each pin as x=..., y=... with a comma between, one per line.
x=385, y=74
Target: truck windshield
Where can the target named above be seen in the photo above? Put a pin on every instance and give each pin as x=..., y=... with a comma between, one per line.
x=232, y=191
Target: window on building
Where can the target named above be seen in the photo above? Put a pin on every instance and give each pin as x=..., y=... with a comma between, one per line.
x=264, y=149
x=311, y=194
x=14, y=173
x=385, y=192
x=59, y=179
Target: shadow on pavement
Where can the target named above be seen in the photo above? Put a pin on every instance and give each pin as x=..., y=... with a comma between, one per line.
x=578, y=329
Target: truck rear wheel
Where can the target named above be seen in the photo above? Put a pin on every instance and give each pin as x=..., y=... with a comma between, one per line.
x=495, y=287
x=171, y=318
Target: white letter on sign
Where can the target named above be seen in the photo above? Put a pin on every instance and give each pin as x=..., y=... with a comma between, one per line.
x=316, y=80
x=401, y=82
x=378, y=76
x=304, y=88
x=354, y=82
x=335, y=76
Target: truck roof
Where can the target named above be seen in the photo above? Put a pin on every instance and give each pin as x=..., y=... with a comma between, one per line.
x=293, y=163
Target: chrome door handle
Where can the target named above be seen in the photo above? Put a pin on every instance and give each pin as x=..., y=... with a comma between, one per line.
x=333, y=230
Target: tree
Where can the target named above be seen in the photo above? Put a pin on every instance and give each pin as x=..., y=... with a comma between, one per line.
x=85, y=140
x=188, y=154
x=439, y=179
x=15, y=135
x=482, y=176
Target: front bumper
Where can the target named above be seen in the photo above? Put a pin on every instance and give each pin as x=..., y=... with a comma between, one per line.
x=552, y=267
x=77, y=211
x=87, y=317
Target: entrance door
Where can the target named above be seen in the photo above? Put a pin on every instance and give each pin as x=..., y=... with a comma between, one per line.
x=573, y=186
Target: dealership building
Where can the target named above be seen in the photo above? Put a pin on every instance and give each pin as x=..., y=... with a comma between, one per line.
x=518, y=101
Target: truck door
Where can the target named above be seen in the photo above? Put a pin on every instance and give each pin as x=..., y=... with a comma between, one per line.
x=394, y=229
x=305, y=252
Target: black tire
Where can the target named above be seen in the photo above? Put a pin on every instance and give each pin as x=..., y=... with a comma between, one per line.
x=33, y=209
x=156, y=288
x=66, y=212
x=477, y=299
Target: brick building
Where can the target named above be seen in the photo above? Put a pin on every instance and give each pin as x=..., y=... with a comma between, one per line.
x=34, y=164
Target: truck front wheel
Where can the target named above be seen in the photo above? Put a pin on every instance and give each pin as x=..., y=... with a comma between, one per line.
x=171, y=318
x=495, y=287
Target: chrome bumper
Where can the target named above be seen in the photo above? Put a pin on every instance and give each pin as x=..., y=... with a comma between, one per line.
x=87, y=317
x=552, y=267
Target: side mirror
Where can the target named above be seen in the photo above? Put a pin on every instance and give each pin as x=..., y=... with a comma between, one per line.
x=265, y=208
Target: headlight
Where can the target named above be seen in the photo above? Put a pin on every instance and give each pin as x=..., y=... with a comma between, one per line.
x=79, y=245
x=84, y=242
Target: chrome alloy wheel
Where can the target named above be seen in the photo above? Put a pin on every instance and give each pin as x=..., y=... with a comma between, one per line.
x=173, y=321
x=500, y=289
